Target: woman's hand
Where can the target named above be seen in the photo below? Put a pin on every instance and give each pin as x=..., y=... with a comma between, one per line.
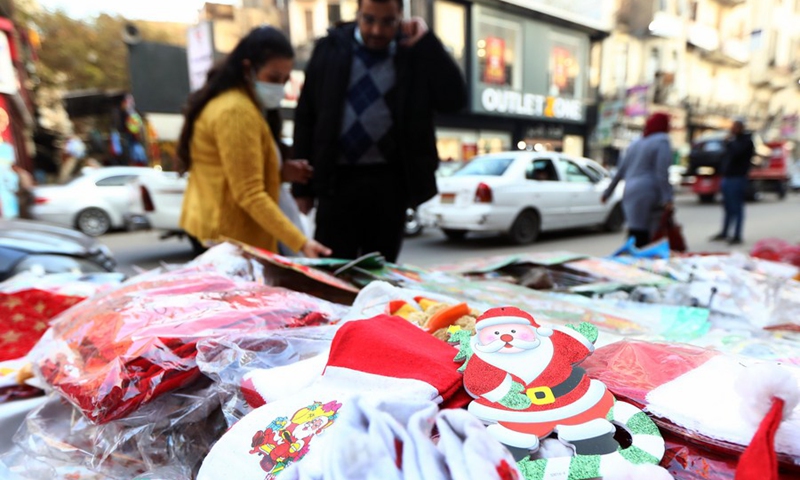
x=314, y=249
x=296, y=171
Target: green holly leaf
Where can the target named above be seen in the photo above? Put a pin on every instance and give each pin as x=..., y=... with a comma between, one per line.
x=586, y=329
x=516, y=399
x=462, y=339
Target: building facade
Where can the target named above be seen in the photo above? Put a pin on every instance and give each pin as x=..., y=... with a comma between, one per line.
x=529, y=66
x=705, y=62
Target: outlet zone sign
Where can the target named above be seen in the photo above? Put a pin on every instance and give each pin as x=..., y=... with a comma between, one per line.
x=510, y=102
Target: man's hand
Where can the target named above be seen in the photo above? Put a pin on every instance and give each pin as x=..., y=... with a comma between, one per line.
x=314, y=249
x=305, y=204
x=296, y=171
x=413, y=29
x=516, y=399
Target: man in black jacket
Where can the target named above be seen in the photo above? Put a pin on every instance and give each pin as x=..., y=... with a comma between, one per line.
x=739, y=155
x=364, y=121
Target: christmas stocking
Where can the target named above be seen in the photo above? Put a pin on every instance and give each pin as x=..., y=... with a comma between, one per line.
x=378, y=444
x=384, y=443
x=260, y=387
x=470, y=451
x=382, y=358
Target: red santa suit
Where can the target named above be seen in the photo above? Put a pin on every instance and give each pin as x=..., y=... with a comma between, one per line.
x=560, y=392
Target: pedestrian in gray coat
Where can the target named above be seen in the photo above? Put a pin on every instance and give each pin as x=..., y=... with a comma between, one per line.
x=645, y=169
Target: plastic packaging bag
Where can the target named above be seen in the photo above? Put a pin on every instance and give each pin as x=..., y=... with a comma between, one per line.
x=777, y=250
x=227, y=362
x=112, y=354
x=176, y=431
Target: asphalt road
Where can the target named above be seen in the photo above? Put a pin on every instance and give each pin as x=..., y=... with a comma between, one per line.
x=767, y=218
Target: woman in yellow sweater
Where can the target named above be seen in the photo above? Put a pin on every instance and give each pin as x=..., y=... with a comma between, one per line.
x=231, y=154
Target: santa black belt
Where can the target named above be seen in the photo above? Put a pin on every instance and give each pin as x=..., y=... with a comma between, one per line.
x=548, y=395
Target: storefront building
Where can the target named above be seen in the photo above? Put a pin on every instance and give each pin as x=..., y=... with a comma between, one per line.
x=528, y=66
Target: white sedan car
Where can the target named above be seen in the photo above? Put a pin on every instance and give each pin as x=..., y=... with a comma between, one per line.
x=522, y=194
x=94, y=202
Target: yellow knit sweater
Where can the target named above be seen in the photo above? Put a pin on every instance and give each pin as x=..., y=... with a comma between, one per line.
x=234, y=180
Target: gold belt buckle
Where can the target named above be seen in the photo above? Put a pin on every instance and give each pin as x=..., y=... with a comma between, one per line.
x=541, y=395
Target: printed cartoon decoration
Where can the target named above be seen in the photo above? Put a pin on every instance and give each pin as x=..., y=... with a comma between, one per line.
x=526, y=384
x=286, y=441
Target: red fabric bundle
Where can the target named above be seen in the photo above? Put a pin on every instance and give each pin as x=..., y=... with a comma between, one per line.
x=25, y=316
x=114, y=353
x=777, y=250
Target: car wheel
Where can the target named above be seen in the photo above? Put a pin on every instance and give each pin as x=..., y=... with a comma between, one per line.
x=454, y=235
x=413, y=226
x=525, y=228
x=706, y=198
x=93, y=222
x=615, y=220
x=783, y=188
x=197, y=246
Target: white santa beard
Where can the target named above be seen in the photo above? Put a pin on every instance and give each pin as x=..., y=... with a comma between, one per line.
x=527, y=365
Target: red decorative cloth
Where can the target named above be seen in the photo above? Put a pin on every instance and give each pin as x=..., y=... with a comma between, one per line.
x=25, y=316
x=116, y=352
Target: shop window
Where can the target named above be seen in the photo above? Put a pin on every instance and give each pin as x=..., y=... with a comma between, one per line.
x=499, y=52
x=449, y=23
x=564, y=71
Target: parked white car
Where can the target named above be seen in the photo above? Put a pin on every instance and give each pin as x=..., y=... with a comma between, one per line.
x=522, y=194
x=156, y=202
x=93, y=203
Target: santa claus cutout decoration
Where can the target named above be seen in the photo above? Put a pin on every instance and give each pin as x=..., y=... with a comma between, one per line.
x=527, y=385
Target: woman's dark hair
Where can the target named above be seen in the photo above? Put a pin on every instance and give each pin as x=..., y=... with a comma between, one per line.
x=259, y=47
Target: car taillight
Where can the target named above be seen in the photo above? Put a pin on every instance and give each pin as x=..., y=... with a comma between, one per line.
x=483, y=194
x=147, y=201
x=41, y=200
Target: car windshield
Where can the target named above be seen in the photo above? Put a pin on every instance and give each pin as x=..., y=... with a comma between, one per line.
x=488, y=166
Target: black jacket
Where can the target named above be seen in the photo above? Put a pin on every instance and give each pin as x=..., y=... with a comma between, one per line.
x=739, y=152
x=428, y=80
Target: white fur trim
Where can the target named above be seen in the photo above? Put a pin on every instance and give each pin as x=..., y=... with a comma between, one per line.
x=492, y=321
x=501, y=390
x=576, y=335
x=587, y=401
x=544, y=331
x=759, y=384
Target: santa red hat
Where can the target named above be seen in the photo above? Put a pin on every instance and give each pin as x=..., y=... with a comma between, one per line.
x=770, y=396
x=509, y=315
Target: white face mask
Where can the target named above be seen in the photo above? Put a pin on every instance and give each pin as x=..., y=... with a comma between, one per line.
x=269, y=94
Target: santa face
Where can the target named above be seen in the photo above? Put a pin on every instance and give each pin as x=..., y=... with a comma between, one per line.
x=506, y=338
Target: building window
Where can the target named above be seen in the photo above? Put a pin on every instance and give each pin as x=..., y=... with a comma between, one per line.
x=450, y=23
x=693, y=11
x=653, y=64
x=564, y=70
x=499, y=51
x=334, y=13
x=309, y=20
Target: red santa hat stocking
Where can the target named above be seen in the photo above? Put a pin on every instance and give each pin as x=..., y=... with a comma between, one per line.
x=765, y=385
x=385, y=357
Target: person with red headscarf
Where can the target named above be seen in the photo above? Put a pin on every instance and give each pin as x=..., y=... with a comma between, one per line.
x=645, y=169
